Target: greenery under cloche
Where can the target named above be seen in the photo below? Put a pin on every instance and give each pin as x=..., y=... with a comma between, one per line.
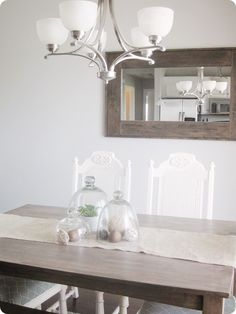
x=88, y=211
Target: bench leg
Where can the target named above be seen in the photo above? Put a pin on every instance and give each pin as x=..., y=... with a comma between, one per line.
x=213, y=305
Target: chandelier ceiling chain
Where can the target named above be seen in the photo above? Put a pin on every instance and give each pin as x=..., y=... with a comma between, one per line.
x=86, y=21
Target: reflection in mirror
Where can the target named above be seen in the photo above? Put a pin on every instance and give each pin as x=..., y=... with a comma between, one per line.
x=176, y=94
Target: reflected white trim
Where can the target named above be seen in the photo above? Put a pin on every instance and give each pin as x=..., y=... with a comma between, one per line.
x=146, y=109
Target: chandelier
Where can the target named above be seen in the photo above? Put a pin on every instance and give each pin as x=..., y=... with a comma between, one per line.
x=85, y=21
x=203, y=88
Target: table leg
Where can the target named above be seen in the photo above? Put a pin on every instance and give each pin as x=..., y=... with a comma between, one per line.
x=213, y=305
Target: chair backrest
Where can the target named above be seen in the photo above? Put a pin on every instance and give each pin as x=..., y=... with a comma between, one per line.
x=110, y=174
x=179, y=185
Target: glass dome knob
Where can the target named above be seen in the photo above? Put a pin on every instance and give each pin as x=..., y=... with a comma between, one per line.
x=117, y=195
x=89, y=181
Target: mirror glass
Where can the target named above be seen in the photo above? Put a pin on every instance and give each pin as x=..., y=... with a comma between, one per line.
x=176, y=94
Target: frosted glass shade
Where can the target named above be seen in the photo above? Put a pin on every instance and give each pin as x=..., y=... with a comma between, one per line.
x=78, y=15
x=184, y=86
x=51, y=31
x=209, y=85
x=139, y=39
x=221, y=86
x=156, y=21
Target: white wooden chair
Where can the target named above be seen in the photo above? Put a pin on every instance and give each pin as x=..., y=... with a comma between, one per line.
x=176, y=187
x=109, y=172
x=180, y=183
x=110, y=175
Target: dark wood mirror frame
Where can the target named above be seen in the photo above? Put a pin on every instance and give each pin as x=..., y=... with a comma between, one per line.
x=175, y=130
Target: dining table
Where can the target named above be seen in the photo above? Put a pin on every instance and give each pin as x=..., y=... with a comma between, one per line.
x=178, y=282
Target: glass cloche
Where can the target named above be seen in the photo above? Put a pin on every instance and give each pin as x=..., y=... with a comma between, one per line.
x=88, y=202
x=118, y=221
x=71, y=229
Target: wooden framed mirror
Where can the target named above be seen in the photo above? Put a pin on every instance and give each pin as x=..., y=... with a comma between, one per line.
x=145, y=100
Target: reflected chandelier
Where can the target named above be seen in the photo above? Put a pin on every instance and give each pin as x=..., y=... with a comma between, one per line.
x=204, y=88
x=85, y=20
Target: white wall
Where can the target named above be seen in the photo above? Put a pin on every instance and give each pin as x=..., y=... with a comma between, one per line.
x=52, y=110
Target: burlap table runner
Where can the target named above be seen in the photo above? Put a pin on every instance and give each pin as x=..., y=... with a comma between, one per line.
x=200, y=247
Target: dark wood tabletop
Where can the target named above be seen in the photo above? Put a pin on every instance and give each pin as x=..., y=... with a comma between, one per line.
x=172, y=281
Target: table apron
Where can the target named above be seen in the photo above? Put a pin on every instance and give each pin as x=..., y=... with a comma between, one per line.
x=162, y=294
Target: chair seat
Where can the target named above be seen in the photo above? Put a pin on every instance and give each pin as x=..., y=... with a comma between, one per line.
x=158, y=308
x=20, y=291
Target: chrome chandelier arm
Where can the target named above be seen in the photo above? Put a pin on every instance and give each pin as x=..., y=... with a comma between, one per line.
x=195, y=94
x=134, y=57
x=75, y=55
x=123, y=43
x=191, y=94
x=82, y=43
x=150, y=60
x=98, y=54
x=131, y=52
x=200, y=99
x=102, y=5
